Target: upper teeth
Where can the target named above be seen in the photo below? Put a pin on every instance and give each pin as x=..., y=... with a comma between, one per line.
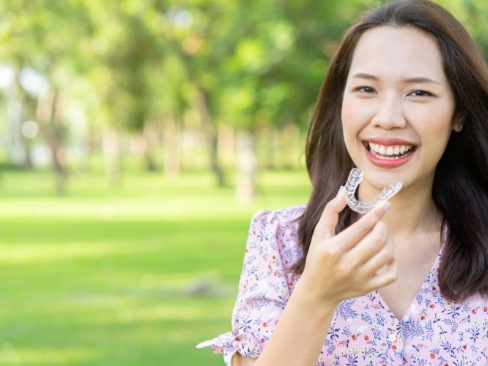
x=390, y=150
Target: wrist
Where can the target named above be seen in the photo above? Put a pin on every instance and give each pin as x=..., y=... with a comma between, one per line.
x=309, y=300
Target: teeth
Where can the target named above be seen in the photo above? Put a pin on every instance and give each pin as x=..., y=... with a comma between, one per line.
x=391, y=151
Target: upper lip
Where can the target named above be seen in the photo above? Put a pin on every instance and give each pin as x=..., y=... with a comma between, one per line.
x=389, y=142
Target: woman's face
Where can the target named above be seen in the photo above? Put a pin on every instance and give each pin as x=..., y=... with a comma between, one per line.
x=397, y=109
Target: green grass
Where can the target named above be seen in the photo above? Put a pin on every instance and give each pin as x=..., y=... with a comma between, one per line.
x=132, y=276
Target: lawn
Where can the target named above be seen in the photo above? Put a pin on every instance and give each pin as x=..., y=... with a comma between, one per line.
x=132, y=276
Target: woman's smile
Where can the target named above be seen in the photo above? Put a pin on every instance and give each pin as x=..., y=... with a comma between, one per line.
x=388, y=153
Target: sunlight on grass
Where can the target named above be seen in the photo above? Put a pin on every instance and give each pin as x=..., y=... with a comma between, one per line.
x=164, y=208
x=54, y=252
x=173, y=312
x=14, y=356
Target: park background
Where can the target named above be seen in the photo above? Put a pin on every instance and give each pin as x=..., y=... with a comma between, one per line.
x=137, y=139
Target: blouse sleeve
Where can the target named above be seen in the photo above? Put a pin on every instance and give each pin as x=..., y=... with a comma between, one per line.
x=264, y=288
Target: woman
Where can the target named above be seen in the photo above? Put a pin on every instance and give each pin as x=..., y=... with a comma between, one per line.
x=405, y=98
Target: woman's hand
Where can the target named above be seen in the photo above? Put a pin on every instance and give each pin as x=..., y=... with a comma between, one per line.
x=348, y=264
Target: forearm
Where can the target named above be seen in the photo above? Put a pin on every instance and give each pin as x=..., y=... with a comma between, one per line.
x=300, y=333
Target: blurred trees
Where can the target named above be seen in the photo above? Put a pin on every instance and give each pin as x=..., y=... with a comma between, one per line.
x=182, y=84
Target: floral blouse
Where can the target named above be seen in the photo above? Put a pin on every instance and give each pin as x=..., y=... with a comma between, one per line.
x=433, y=332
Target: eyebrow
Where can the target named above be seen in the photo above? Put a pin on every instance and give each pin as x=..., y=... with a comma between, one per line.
x=414, y=80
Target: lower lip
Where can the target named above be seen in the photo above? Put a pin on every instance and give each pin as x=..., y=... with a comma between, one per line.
x=388, y=163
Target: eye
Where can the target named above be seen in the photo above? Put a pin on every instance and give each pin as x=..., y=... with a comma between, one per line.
x=420, y=93
x=365, y=89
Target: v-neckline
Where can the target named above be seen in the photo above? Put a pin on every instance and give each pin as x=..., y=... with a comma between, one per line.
x=407, y=313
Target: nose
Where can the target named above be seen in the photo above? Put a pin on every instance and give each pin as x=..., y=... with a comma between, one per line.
x=389, y=113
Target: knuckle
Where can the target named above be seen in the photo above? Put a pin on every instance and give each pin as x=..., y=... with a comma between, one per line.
x=370, y=223
x=378, y=214
x=332, y=205
x=365, y=228
x=386, y=256
x=391, y=276
x=343, y=270
x=379, y=238
x=329, y=253
x=380, y=233
x=382, y=227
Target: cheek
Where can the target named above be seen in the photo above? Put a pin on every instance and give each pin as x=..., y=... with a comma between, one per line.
x=358, y=111
x=348, y=114
x=436, y=123
x=350, y=131
x=435, y=134
x=354, y=117
x=439, y=137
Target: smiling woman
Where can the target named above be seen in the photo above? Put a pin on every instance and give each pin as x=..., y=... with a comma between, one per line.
x=397, y=97
x=323, y=285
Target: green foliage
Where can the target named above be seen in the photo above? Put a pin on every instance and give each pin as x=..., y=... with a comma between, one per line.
x=144, y=66
x=248, y=58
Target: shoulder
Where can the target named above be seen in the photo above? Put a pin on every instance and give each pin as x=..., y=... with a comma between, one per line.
x=276, y=221
x=288, y=216
x=276, y=231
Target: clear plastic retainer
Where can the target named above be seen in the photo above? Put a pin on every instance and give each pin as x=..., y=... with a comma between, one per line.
x=355, y=177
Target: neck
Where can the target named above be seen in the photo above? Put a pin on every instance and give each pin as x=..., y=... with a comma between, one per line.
x=412, y=216
x=413, y=213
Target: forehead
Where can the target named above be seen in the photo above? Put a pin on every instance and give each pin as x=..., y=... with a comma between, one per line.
x=401, y=51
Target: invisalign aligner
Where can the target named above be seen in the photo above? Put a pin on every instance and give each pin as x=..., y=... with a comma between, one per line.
x=355, y=177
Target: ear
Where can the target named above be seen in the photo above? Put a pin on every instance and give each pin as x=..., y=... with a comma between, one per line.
x=458, y=123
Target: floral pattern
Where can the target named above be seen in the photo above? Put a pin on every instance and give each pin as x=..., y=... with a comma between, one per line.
x=433, y=332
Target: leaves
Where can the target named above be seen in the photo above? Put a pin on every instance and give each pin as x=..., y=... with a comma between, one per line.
x=257, y=63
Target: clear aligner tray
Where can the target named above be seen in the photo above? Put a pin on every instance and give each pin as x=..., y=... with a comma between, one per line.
x=355, y=177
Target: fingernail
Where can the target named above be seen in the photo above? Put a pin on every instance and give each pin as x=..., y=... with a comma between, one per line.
x=386, y=206
x=342, y=191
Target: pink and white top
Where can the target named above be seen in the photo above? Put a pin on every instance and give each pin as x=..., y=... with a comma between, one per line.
x=364, y=331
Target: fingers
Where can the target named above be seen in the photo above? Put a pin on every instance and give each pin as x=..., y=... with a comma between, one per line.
x=361, y=228
x=358, y=259
x=386, y=276
x=376, y=257
x=380, y=266
x=356, y=232
x=375, y=241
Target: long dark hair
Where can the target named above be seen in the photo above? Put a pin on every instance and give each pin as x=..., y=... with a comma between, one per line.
x=460, y=188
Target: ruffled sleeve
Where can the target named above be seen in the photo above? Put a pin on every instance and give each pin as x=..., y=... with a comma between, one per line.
x=264, y=286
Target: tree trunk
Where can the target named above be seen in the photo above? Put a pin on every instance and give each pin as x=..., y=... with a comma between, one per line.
x=48, y=113
x=227, y=146
x=270, y=147
x=61, y=174
x=28, y=113
x=111, y=154
x=246, y=168
x=149, y=140
x=214, y=159
x=213, y=137
x=171, y=165
x=291, y=141
x=13, y=141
